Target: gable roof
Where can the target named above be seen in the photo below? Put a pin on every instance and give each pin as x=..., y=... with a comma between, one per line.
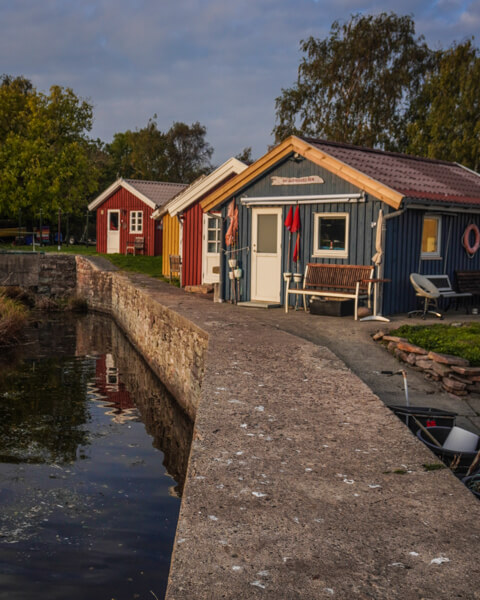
x=200, y=187
x=153, y=193
x=390, y=177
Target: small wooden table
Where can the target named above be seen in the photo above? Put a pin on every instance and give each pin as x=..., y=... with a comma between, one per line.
x=376, y=316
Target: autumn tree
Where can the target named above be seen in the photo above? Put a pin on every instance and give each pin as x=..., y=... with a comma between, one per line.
x=179, y=155
x=356, y=85
x=445, y=116
x=45, y=155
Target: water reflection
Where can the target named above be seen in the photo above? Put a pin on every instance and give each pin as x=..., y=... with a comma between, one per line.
x=87, y=508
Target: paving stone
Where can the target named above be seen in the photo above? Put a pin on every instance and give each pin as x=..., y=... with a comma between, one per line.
x=448, y=359
x=407, y=347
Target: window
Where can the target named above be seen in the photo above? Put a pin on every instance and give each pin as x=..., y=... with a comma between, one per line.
x=213, y=235
x=431, y=236
x=330, y=235
x=136, y=221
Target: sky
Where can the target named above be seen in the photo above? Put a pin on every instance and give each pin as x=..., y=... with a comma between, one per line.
x=219, y=62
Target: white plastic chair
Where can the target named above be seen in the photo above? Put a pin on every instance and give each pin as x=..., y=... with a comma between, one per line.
x=427, y=290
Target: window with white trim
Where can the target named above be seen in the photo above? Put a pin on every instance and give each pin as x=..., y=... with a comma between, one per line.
x=330, y=235
x=431, y=236
x=213, y=235
x=136, y=221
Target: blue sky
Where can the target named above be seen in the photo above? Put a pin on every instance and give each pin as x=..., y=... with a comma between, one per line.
x=219, y=62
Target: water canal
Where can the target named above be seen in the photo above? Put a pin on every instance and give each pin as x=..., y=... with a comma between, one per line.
x=93, y=454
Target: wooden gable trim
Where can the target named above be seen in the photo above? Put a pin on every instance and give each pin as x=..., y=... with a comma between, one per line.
x=295, y=144
x=114, y=188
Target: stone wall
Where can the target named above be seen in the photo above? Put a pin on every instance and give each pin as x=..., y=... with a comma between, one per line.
x=172, y=345
x=52, y=275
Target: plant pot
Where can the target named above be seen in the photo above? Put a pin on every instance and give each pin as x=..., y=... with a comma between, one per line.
x=231, y=275
x=287, y=276
x=237, y=273
x=232, y=263
x=297, y=277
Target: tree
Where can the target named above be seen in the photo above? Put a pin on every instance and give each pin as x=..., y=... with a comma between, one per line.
x=246, y=156
x=179, y=155
x=445, y=116
x=46, y=159
x=356, y=85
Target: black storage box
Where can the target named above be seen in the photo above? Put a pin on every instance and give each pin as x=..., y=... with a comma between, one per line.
x=343, y=307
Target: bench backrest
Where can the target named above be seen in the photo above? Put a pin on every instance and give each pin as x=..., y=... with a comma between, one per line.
x=468, y=281
x=337, y=277
x=175, y=263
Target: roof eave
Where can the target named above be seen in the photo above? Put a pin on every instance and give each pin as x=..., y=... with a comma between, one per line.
x=315, y=155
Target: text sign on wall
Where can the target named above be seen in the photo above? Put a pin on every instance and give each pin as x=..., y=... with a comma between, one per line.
x=297, y=180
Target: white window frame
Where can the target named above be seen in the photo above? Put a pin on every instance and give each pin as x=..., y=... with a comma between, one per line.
x=134, y=227
x=218, y=230
x=321, y=252
x=437, y=254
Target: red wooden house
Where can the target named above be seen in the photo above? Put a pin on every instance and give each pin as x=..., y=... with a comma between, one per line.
x=123, y=215
x=198, y=241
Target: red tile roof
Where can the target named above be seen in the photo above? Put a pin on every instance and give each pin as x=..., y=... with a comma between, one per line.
x=412, y=176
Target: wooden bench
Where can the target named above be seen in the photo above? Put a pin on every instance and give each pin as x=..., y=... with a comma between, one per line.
x=175, y=266
x=468, y=282
x=137, y=245
x=334, y=281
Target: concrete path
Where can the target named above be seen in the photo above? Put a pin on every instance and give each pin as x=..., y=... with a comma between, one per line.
x=301, y=483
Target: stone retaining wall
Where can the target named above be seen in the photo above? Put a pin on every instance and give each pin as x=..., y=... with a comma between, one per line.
x=52, y=275
x=173, y=346
x=455, y=373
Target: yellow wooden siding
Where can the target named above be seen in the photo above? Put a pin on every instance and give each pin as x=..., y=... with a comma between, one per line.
x=171, y=241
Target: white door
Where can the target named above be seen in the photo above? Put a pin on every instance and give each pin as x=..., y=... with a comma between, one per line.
x=211, y=249
x=113, y=232
x=266, y=254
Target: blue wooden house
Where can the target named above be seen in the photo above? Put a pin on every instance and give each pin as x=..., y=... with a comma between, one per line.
x=340, y=190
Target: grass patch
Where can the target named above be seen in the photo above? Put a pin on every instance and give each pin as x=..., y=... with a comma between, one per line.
x=434, y=466
x=147, y=265
x=463, y=341
x=13, y=318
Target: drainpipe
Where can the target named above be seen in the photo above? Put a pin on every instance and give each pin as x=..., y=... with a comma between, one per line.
x=381, y=270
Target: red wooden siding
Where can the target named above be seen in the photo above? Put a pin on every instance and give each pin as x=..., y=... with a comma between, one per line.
x=125, y=201
x=192, y=245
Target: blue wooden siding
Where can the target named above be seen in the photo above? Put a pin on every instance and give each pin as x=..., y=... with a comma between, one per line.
x=403, y=255
x=403, y=236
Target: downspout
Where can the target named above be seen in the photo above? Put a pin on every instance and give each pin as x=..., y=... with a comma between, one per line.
x=381, y=270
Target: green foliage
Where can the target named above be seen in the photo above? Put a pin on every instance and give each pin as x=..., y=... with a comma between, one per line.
x=355, y=85
x=13, y=318
x=46, y=159
x=461, y=341
x=179, y=155
x=245, y=156
x=445, y=117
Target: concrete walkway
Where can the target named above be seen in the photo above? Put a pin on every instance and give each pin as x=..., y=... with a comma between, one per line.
x=301, y=483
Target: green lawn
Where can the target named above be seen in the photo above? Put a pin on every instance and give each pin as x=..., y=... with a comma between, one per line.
x=148, y=265
x=463, y=341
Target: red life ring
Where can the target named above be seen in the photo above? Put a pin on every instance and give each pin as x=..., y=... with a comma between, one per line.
x=471, y=249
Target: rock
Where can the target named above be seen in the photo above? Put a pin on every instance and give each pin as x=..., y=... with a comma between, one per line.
x=392, y=346
x=464, y=380
x=378, y=336
x=452, y=385
x=364, y=311
x=424, y=363
x=407, y=347
x=393, y=338
x=400, y=354
x=474, y=387
x=412, y=358
x=441, y=369
x=468, y=371
x=448, y=359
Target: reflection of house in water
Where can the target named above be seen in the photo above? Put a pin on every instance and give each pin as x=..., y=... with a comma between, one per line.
x=109, y=388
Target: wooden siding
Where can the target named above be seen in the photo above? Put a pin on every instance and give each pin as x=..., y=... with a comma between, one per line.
x=125, y=201
x=362, y=215
x=171, y=241
x=192, y=245
x=403, y=255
